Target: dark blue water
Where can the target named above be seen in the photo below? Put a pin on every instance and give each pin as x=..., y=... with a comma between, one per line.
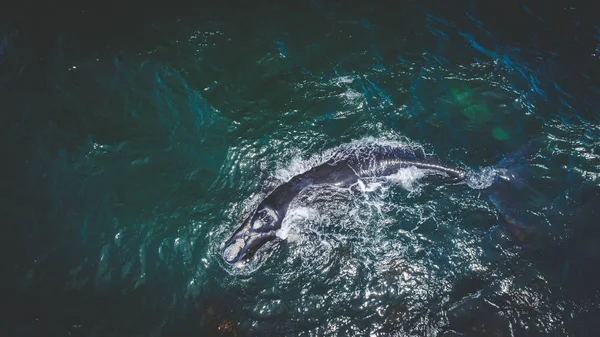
x=136, y=141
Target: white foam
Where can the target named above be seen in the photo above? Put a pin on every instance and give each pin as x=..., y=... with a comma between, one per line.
x=362, y=185
x=369, y=186
x=292, y=218
x=408, y=177
x=352, y=95
x=482, y=179
x=340, y=80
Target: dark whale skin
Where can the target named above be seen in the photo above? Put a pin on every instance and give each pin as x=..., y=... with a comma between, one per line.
x=342, y=170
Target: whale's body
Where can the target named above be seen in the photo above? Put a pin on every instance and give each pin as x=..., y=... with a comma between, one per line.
x=343, y=169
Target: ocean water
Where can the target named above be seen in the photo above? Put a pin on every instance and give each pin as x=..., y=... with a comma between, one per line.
x=136, y=141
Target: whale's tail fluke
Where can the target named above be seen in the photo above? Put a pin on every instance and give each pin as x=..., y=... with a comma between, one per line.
x=516, y=166
x=513, y=195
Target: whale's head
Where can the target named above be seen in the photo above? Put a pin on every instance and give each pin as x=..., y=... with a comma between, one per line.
x=255, y=232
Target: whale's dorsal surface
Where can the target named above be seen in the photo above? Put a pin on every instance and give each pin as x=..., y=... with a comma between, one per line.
x=342, y=169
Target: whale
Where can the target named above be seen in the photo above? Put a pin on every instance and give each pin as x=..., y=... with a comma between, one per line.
x=343, y=169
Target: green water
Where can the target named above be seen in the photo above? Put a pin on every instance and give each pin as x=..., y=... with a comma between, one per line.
x=135, y=150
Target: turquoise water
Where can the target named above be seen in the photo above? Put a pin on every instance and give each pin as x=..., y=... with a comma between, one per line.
x=136, y=144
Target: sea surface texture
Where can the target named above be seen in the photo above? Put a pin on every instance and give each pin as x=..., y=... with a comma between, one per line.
x=135, y=142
